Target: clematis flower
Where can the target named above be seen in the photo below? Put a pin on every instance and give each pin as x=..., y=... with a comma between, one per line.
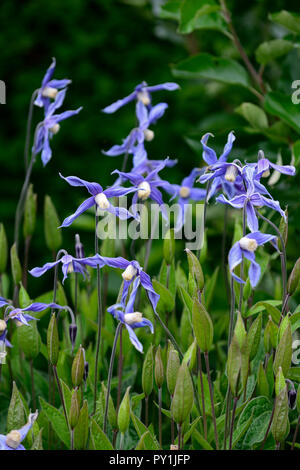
x=185, y=192
x=246, y=247
x=69, y=265
x=50, y=87
x=264, y=165
x=50, y=126
x=142, y=93
x=134, y=142
x=130, y=318
x=12, y=441
x=250, y=199
x=147, y=186
x=20, y=315
x=99, y=198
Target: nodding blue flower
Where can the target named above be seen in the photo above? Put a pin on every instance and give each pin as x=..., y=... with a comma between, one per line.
x=246, y=247
x=130, y=318
x=185, y=192
x=50, y=126
x=50, y=87
x=147, y=186
x=20, y=315
x=99, y=198
x=12, y=441
x=69, y=265
x=141, y=93
x=134, y=142
x=250, y=199
x=264, y=165
x=210, y=157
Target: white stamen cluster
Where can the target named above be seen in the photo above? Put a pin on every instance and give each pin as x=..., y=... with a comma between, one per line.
x=129, y=273
x=131, y=318
x=102, y=201
x=144, y=190
x=144, y=97
x=266, y=173
x=54, y=129
x=248, y=244
x=231, y=173
x=149, y=135
x=184, y=191
x=49, y=92
x=3, y=326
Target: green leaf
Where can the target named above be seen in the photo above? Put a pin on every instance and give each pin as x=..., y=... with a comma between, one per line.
x=202, y=326
x=281, y=105
x=166, y=302
x=98, y=440
x=3, y=249
x=81, y=430
x=53, y=340
x=183, y=397
x=262, y=382
x=254, y=336
x=51, y=223
x=283, y=354
x=141, y=430
x=16, y=415
x=57, y=420
x=287, y=19
x=253, y=114
x=190, y=11
x=270, y=50
x=210, y=287
x=195, y=269
x=147, y=372
x=281, y=416
x=147, y=442
x=207, y=66
x=294, y=374
x=15, y=265
x=29, y=340
x=171, y=10
x=269, y=306
x=38, y=441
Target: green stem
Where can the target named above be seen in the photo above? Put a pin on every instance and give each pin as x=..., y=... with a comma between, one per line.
x=202, y=393
x=159, y=416
x=211, y=399
x=99, y=326
x=235, y=400
x=32, y=384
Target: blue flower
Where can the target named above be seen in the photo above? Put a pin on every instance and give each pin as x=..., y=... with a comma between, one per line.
x=246, y=247
x=99, y=198
x=264, y=165
x=130, y=318
x=49, y=88
x=50, y=126
x=141, y=93
x=12, y=441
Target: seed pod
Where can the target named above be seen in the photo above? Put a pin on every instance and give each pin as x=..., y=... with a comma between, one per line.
x=183, y=398
x=78, y=368
x=52, y=341
x=30, y=209
x=159, y=368
x=294, y=278
x=73, y=333
x=172, y=370
x=124, y=413
x=195, y=269
x=15, y=265
x=74, y=409
x=169, y=247
x=3, y=249
x=147, y=373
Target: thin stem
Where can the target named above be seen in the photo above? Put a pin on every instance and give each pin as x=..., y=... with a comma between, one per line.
x=202, y=394
x=99, y=326
x=121, y=441
x=146, y=411
x=149, y=242
x=296, y=433
x=224, y=265
x=26, y=257
x=72, y=439
x=211, y=399
x=120, y=368
x=32, y=384
x=28, y=128
x=61, y=395
x=159, y=416
x=110, y=371
x=235, y=400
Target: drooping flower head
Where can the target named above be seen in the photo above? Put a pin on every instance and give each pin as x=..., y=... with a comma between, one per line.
x=246, y=247
x=50, y=126
x=50, y=87
x=141, y=93
x=263, y=167
x=99, y=198
x=130, y=318
x=12, y=441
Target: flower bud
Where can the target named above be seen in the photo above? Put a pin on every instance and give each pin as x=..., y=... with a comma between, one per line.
x=52, y=341
x=3, y=326
x=30, y=212
x=74, y=409
x=172, y=370
x=248, y=244
x=129, y=273
x=184, y=192
x=73, y=333
x=159, y=368
x=294, y=278
x=79, y=249
x=15, y=265
x=55, y=128
x=78, y=367
x=102, y=201
x=149, y=135
x=195, y=269
x=144, y=97
x=131, y=318
x=231, y=173
x=144, y=190
x=147, y=373
x=183, y=398
x=124, y=413
x=13, y=439
x=49, y=92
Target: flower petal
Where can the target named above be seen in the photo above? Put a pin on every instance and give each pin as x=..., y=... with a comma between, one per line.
x=82, y=208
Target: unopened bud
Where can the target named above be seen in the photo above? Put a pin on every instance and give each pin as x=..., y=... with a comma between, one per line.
x=13, y=439
x=159, y=368
x=131, y=318
x=129, y=273
x=102, y=201
x=78, y=367
x=55, y=128
x=169, y=247
x=124, y=413
x=172, y=370
x=149, y=135
x=292, y=396
x=248, y=244
x=73, y=333
x=74, y=409
x=52, y=341
x=294, y=278
x=231, y=173
x=147, y=373
x=3, y=326
x=144, y=190
x=49, y=92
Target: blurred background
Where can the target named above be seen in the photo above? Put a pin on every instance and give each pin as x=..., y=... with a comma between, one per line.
x=106, y=48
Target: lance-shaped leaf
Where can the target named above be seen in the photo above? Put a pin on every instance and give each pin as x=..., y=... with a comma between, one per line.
x=81, y=431
x=3, y=249
x=124, y=413
x=15, y=265
x=287, y=19
x=202, y=326
x=234, y=364
x=190, y=356
x=262, y=382
x=270, y=335
x=98, y=440
x=78, y=368
x=16, y=415
x=195, y=269
x=294, y=278
x=284, y=351
x=51, y=223
x=166, y=301
x=270, y=50
x=30, y=212
x=53, y=341
x=254, y=336
x=147, y=373
x=281, y=416
x=183, y=397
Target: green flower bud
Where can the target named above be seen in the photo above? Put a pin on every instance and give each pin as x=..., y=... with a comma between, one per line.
x=15, y=265
x=172, y=369
x=30, y=209
x=51, y=223
x=195, y=269
x=279, y=381
x=3, y=249
x=183, y=397
x=53, y=341
x=147, y=373
x=74, y=409
x=202, y=326
x=294, y=278
x=124, y=413
x=78, y=368
x=159, y=368
x=169, y=247
x=190, y=356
